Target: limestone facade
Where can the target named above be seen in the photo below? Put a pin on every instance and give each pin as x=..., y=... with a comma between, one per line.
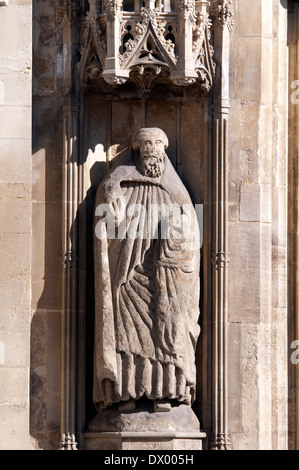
x=235, y=147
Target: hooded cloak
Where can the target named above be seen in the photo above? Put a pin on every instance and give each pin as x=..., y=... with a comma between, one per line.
x=147, y=290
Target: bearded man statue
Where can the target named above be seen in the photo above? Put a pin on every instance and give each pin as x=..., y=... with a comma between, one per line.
x=146, y=252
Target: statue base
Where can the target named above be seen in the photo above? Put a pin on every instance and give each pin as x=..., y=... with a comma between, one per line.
x=143, y=429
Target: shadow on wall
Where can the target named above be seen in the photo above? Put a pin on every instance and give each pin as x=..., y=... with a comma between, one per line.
x=47, y=280
x=48, y=263
x=46, y=273
x=46, y=231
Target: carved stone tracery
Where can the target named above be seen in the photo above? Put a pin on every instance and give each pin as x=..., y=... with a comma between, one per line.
x=68, y=9
x=114, y=43
x=93, y=48
x=137, y=50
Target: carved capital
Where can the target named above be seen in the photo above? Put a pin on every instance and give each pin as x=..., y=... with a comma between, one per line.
x=71, y=259
x=146, y=79
x=220, y=260
x=115, y=80
x=223, y=13
x=186, y=8
x=113, y=8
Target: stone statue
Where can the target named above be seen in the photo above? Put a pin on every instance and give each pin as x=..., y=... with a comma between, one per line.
x=146, y=282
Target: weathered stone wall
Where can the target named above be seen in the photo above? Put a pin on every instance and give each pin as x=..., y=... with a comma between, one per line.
x=30, y=205
x=46, y=257
x=15, y=217
x=258, y=225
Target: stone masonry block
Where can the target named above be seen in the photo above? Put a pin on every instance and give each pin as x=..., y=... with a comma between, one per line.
x=255, y=203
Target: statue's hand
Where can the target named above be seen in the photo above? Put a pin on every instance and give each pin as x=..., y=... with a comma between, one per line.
x=118, y=209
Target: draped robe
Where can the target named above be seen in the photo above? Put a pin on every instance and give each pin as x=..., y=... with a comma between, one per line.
x=146, y=294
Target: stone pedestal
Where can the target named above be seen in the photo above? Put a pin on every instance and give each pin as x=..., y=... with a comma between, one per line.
x=143, y=429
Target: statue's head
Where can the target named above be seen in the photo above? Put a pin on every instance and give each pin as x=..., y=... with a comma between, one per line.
x=151, y=143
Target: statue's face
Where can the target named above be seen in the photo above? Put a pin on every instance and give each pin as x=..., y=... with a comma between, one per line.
x=152, y=150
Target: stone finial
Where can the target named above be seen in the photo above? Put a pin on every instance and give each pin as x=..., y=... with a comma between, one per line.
x=223, y=13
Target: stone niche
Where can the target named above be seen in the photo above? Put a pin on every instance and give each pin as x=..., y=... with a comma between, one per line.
x=120, y=85
x=112, y=120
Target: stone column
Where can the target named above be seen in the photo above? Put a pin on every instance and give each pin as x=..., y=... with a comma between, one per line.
x=70, y=243
x=186, y=73
x=112, y=72
x=280, y=357
x=70, y=280
x=219, y=256
x=15, y=216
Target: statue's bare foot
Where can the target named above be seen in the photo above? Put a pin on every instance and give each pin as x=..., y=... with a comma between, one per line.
x=129, y=405
x=162, y=406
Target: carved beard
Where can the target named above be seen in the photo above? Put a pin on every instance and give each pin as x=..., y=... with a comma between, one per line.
x=152, y=170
